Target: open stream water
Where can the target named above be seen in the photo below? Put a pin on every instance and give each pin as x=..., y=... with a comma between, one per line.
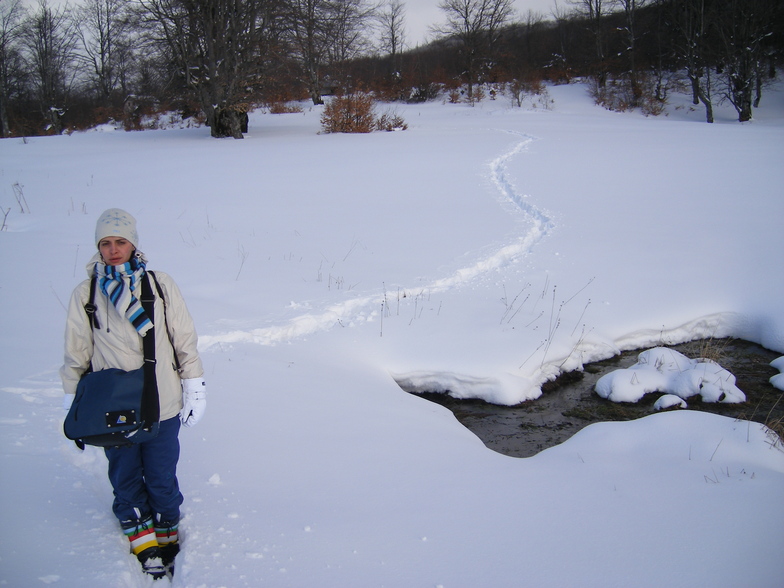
x=570, y=403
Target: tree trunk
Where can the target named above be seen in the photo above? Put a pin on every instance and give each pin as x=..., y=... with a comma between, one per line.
x=5, y=130
x=703, y=94
x=744, y=112
x=229, y=122
x=708, y=105
x=758, y=90
x=54, y=117
x=601, y=77
x=741, y=89
x=699, y=95
x=315, y=96
x=695, y=89
x=314, y=86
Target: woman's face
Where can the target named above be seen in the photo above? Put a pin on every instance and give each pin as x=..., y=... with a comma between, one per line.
x=115, y=250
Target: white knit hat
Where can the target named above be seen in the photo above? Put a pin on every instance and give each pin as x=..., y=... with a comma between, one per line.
x=116, y=223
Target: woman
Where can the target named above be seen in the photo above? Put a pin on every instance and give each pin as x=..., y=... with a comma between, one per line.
x=147, y=497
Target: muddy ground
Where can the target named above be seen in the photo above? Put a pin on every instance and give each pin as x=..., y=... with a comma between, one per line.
x=569, y=403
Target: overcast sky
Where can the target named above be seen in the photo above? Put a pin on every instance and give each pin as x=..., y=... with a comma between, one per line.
x=422, y=14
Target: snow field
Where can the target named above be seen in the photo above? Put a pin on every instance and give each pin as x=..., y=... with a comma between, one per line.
x=482, y=251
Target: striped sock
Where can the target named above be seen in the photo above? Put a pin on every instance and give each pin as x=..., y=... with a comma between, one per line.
x=142, y=536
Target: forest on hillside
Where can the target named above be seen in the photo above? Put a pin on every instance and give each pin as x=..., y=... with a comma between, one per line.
x=70, y=66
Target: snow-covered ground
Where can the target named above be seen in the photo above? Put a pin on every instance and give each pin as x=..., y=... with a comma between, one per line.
x=482, y=251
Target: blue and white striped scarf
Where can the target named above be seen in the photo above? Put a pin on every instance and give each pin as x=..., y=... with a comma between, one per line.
x=121, y=283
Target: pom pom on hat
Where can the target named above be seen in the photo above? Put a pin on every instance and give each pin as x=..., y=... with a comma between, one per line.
x=116, y=223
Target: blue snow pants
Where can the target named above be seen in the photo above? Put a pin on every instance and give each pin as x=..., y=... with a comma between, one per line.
x=144, y=477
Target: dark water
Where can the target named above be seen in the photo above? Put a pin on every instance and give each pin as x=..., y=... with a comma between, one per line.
x=570, y=403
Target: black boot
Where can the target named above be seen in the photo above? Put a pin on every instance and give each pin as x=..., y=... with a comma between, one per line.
x=168, y=552
x=152, y=562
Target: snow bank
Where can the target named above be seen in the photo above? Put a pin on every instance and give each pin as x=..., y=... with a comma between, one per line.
x=503, y=390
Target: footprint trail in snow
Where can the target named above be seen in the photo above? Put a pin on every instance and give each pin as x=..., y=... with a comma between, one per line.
x=364, y=307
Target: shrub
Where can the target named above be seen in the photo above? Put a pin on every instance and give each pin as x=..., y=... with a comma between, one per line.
x=519, y=89
x=285, y=108
x=620, y=95
x=391, y=121
x=424, y=92
x=654, y=95
x=616, y=95
x=352, y=113
x=355, y=113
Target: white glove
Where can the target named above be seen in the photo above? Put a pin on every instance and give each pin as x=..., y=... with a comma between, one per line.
x=194, y=401
x=68, y=401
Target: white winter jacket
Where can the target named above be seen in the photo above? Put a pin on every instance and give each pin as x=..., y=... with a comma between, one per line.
x=116, y=344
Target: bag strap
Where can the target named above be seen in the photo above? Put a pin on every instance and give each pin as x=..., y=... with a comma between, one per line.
x=90, y=307
x=151, y=410
x=166, y=319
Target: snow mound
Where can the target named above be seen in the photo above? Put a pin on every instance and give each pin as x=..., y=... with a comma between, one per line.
x=778, y=379
x=665, y=370
x=669, y=401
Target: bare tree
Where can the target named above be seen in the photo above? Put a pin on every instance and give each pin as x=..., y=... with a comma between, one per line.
x=12, y=13
x=563, y=35
x=308, y=32
x=325, y=32
x=349, y=22
x=476, y=24
x=630, y=8
x=216, y=44
x=392, y=24
x=594, y=12
x=391, y=20
x=105, y=33
x=50, y=41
